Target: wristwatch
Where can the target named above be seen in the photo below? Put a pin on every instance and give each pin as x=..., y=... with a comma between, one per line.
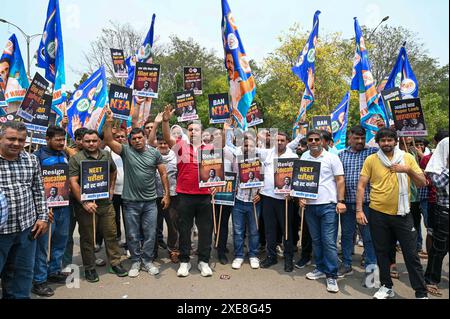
x=342, y=201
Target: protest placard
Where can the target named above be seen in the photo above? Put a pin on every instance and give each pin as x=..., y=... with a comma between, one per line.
x=393, y=94
x=322, y=122
x=94, y=180
x=56, y=185
x=254, y=116
x=211, y=168
x=250, y=175
x=120, y=100
x=118, y=61
x=283, y=168
x=42, y=119
x=226, y=194
x=34, y=98
x=185, y=107
x=408, y=117
x=219, y=108
x=305, y=179
x=193, y=79
x=146, y=80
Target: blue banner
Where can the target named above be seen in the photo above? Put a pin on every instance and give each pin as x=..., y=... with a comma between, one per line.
x=86, y=107
x=305, y=70
x=402, y=77
x=362, y=81
x=339, y=121
x=13, y=77
x=143, y=54
x=51, y=57
x=240, y=77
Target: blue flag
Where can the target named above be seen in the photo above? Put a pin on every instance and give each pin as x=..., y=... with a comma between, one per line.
x=402, y=77
x=143, y=54
x=362, y=81
x=305, y=70
x=240, y=77
x=51, y=56
x=86, y=107
x=13, y=77
x=339, y=121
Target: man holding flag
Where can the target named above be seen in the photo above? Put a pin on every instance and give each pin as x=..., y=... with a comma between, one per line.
x=364, y=83
x=51, y=57
x=242, y=82
x=304, y=69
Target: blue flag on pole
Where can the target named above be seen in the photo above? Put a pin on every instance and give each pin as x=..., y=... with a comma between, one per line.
x=402, y=76
x=143, y=54
x=364, y=83
x=339, y=121
x=51, y=57
x=13, y=77
x=240, y=77
x=305, y=70
x=86, y=107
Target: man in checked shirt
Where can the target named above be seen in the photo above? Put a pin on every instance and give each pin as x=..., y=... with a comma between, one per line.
x=21, y=184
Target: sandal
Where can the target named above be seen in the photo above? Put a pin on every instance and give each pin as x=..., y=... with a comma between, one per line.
x=422, y=254
x=394, y=272
x=434, y=290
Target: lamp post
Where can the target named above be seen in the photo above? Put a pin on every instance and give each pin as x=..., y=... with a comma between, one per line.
x=28, y=38
x=384, y=19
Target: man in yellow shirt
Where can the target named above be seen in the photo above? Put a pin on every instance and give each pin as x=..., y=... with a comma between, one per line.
x=390, y=172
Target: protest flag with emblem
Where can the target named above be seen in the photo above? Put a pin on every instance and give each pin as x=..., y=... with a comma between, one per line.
x=86, y=107
x=402, y=77
x=339, y=121
x=240, y=77
x=304, y=68
x=363, y=82
x=51, y=57
x=13, y=78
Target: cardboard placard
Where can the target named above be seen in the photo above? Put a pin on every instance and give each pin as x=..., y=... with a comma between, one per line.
x=211, y=168
x=254, y=116
x=146, y=80
x=283, y=168
x=94, y=180
x=219, y=108
x=389, y=95
x=43, y=118
x=118, y=61
x=305, y=179
x=185, y=107
x=226, y=194
x=193, y=79
x=56, y=184
x=408, y=117
x=34, y=98
x=120, y=100
x=322, y=122
x=250, y=175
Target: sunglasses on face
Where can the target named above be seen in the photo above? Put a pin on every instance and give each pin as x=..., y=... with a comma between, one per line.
x=316, y=139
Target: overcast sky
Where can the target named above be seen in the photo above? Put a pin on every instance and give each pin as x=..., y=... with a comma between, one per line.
x=260, y=22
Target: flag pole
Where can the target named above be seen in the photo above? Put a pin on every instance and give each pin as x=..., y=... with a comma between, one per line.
x=286, y=219
x=302, y=215
x=218, y=228
x=49, y=237
x=214, y=213
x=256, y=216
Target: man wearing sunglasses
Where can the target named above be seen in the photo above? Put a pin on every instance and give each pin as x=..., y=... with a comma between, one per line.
x=321, y=214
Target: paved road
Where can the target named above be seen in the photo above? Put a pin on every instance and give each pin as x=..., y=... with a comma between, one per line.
x=272, y=283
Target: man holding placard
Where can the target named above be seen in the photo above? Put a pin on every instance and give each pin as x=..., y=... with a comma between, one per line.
x=320, y=213
x=90, y=212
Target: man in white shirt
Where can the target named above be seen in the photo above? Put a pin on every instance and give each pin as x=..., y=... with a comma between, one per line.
x=321, y=214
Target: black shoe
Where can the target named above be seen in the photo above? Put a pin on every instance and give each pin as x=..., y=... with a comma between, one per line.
x=223, y=259
x=288, y=265
x=118, y=270
x=91, y=275
x=42, y=290
x=302, y=263
x=162, y=244
x=269, y=261
x=58, y=277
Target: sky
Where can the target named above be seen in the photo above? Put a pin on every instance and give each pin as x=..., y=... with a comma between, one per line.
x=260, y=22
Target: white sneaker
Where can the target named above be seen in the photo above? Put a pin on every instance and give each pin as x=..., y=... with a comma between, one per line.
x=183, y=271
x=280, y=251
x=332, y=285
x=315, y=274
x=151, y=269
x=254, y=262
x=237, y=263
x=204, y=269
x=384, y=293
x=134, y=270
x=67, y=270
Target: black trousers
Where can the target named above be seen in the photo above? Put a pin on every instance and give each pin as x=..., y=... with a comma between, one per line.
x=384, y=228
x=170, y=215
x=222, y=222
x=439, y=246
x=200, y=208
x=274, y=217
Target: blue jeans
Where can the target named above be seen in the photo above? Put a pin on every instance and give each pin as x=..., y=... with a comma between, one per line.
x=348, y=227
x=322, y=221
x=141, y=221
x=16, y=264
x=243, y=215
x=60, y=234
